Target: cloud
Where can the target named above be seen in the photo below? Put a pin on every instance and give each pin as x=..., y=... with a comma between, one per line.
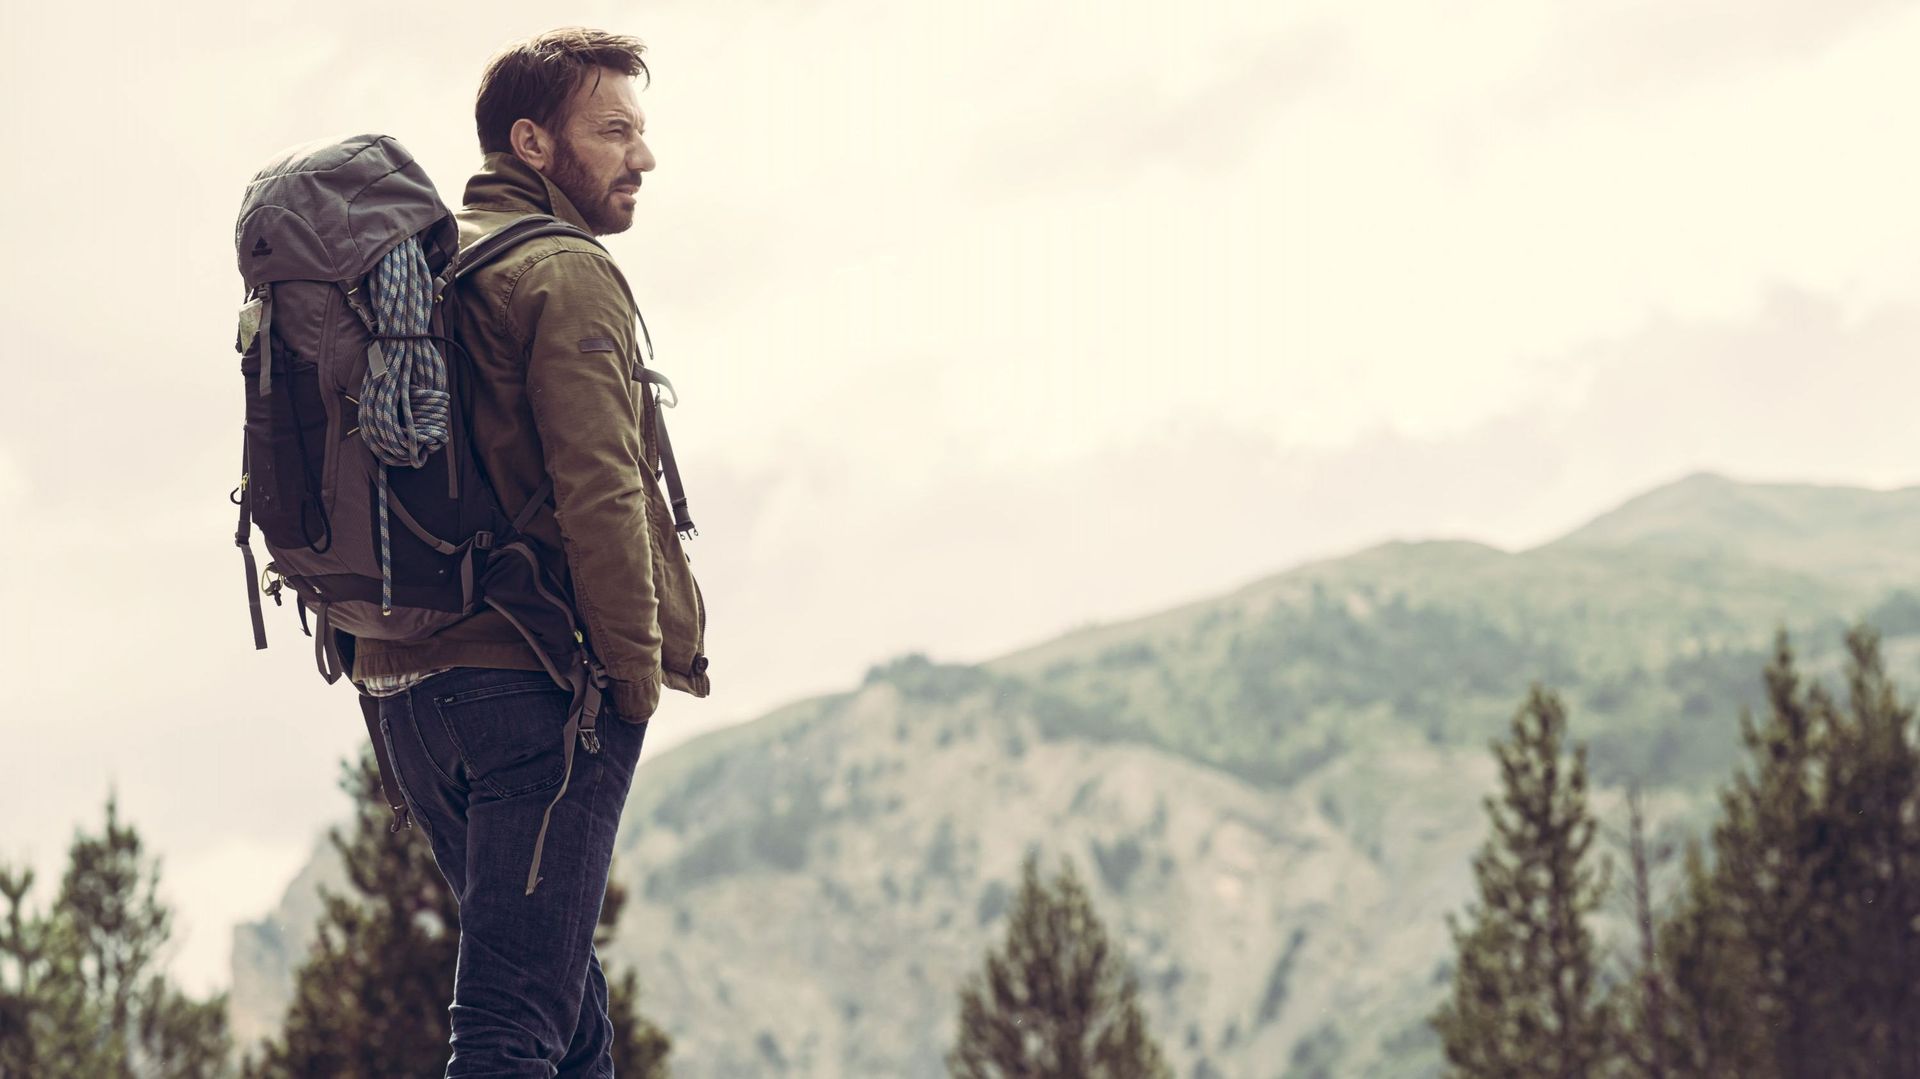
x=1810, y=386
x=1625, y=49
x=987, y=319
x=975, y=558
x=1144, y=118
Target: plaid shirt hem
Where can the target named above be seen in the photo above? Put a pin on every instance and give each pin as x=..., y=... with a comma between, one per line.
x=392, y=685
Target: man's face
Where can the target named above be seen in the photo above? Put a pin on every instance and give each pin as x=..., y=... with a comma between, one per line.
x=600, y=154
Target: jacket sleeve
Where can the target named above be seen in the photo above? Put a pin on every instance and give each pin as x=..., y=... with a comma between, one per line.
x=570, y=311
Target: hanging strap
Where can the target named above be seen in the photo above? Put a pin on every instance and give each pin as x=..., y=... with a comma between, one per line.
x=526, y=227
x=243, y=539
x=581, y=719
x=580, y=673
x=402, y=816
x=676, y=494
x=326, y=651
x=265, y=334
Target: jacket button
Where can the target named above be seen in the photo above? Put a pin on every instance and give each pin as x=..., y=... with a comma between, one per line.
x=699, y=664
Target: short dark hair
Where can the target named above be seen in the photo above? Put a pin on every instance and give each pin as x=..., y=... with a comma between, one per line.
x=536, y=77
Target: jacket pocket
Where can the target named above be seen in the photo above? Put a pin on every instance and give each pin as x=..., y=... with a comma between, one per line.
x=508, y=731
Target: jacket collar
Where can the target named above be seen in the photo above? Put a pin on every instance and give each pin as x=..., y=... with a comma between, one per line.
x=506, y=183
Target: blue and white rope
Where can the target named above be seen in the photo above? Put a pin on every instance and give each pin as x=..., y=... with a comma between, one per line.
x=403, y=408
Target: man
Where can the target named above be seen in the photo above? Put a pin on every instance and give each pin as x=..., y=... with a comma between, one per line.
x=471, y=719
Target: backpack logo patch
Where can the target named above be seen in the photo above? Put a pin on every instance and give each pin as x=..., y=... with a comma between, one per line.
x=262, y=247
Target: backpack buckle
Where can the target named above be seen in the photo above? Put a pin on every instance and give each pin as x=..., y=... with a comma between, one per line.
x=483, y=541
x=270, y=581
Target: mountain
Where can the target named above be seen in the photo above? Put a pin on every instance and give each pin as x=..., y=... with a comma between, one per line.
x=1274, y=793
x=1836, y=533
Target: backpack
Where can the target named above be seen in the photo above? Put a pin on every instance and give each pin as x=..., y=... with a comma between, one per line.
x=357, y=466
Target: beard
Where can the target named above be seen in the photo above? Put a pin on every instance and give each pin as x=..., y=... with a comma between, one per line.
x=595, y=203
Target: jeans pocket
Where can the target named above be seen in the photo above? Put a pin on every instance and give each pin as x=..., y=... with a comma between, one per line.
x=508, y=731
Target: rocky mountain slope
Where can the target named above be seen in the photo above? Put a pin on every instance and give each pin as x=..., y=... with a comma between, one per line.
x=1274, y=794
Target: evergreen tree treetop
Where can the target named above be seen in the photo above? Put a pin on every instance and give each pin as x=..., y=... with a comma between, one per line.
x=1056, y=999
x=1527, y=998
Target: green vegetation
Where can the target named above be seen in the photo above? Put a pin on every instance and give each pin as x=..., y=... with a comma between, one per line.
x=82, y=994
x=920, y=678
x=1057, y=999
x=1353, y=675
x=1527, y=999
x=1813, y=901
x=1788, y=954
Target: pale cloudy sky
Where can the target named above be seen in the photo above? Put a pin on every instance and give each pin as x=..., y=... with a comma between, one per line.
x=988, y=320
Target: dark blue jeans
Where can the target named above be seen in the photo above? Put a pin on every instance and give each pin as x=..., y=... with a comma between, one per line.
x=477, y=754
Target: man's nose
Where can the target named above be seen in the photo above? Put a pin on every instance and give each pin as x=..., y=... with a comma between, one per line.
x=641, y=159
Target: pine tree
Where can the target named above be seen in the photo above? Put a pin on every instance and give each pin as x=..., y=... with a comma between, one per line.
x=1793, y=957
x=1776, y=871
x=81, y=989
x=1705, y=971
x=1642, y=1000
x=1873, y=779
x=1527, y=1000
x=1057, y=1000
x=116, y=916
x=371, y=999
x=113, y=928
x=48, y=1026
x=179, y=1037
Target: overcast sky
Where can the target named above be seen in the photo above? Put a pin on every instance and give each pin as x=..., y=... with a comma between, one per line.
x=988, y=320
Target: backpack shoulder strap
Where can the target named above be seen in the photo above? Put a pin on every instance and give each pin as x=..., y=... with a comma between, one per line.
x=498, y=242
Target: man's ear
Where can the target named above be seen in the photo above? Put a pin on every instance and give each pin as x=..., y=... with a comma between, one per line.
x=531, y=144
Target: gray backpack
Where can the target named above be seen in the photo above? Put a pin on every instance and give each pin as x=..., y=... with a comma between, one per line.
x=357, y=467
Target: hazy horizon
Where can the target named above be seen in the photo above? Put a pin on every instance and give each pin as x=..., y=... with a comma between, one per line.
x=973, y=312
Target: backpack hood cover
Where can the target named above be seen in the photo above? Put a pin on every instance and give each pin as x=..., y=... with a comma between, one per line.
x=328, y=210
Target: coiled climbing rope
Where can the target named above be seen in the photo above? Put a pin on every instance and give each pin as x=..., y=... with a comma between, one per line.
x=404, y=403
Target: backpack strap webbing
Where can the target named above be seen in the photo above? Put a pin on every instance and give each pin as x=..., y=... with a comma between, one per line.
x=527, y=227
x=670, y=468
x=496, y=243
x=402, y=816
x=676, y=494
x=265, y=334
x=243, y=539
x=326, y=648
x=581, y=716
x=540, y=494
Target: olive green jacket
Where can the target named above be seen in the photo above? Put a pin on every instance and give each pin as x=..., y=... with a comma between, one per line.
x=550, y=327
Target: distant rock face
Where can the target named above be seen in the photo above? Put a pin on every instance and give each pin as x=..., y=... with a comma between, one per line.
x=823, y=926
x=267, y=953
x=1273, y=797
